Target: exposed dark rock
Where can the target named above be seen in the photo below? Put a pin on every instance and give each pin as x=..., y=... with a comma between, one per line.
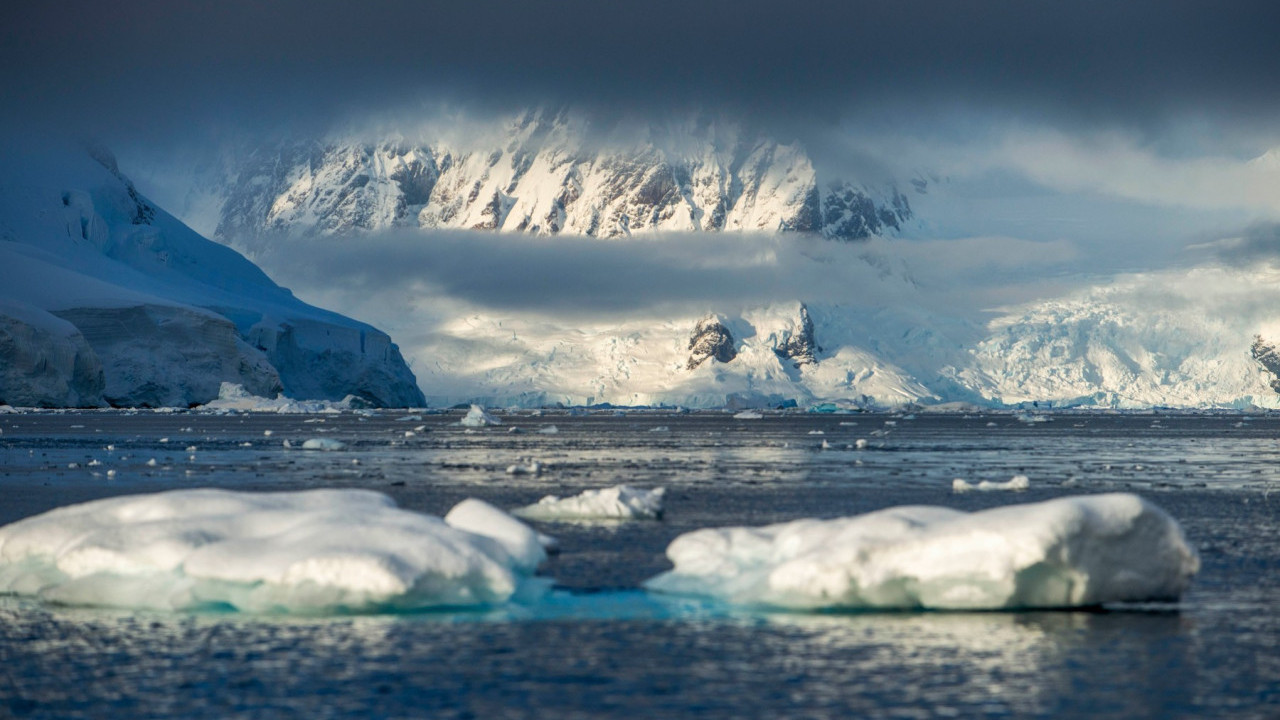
x=711, y=339
x=800, y=347
x=1268, y=356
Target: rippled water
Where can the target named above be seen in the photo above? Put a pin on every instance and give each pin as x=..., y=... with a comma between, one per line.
x=599, y=647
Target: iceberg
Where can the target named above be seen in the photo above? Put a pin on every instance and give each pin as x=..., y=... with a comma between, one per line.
x=235, y=398
x=1068, y=552
x=315, y=551
x=477, y=417
x=620, y=502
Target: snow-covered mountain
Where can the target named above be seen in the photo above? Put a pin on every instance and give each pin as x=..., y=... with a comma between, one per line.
x=107, y=299
x=540, y=173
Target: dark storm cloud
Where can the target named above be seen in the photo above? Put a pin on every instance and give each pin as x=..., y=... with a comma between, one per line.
x=1257, y=243
x=153, y=66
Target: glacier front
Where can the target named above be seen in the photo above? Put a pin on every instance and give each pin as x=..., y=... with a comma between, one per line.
x=107, y=299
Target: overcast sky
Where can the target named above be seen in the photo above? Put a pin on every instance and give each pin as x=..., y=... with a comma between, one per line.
x=1155, y=67
x=1111, y=133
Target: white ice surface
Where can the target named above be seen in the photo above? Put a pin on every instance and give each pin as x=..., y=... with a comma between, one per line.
x=1017, y=482
x=620, y=502
x=477, y=417
x=1067, y=552
x=233, y=397
x=315, y=551
x=323, y=444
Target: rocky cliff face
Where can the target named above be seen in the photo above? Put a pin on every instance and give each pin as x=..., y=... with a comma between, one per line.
x=799, y=346
x=538, y=174
x=1268, y=356
x=711, y=340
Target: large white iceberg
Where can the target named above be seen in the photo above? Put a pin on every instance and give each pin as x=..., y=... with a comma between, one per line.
x=1068, y=552
x=315, y=551
x=620, y=502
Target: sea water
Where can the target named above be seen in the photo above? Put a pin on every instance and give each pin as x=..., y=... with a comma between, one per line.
x=597, y=645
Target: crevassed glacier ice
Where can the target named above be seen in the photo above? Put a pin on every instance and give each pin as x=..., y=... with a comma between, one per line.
x=1067, y=552
x=314, y=551
x=620, y=502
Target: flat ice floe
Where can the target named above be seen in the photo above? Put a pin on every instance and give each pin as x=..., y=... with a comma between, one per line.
x=316, y=551
x=620, y=502
x=1068, y=552
x=1017, y=482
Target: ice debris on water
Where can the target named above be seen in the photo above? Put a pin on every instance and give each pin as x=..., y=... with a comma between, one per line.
x=314, y=551
x=323, y=444
x=620, y=502
x=748, y=415
x=1017, y=482
x=1067, y=552
x=860, y=443
x=533, y=468
x=549, y=430
x=477, y=417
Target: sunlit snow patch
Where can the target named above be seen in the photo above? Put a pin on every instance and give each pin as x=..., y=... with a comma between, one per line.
x=1067, y=552
x=1017, y=482
x=477, y=417
x=316, y=551
x=620, y=502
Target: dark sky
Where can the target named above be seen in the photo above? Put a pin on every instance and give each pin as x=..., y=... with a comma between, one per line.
x=151, y=68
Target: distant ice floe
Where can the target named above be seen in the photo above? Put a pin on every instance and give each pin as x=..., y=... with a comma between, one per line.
x=233, y=397
x=317, y=551
x=1067, y=552
x=748, y=415
x=477, y=417
x=323, y=444
x=7, y=409
x=1017, y=482
x=620, y=502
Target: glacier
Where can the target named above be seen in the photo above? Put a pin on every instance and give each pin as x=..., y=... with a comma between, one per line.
x=107, y=299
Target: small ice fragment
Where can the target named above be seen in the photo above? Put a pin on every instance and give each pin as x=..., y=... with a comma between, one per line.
x=266, y=433
x=246, y=444
x=95, y=463
x=1017, y=482
x=152, y=462
x=660, y=428
x=191, y=448
x=549, y=430
x=164, y=439
x=410, y=433
x=477, y=417
x=890, y=423
x=860, y=443
x=519, y=540
x=533, y=468
x=848, y=424
x=992, y=424
x=748, y=415
x=110, y=448
x=420, y=428
x=825, y=445
x=323, y=444
x=73, y=466
x=620, y=502
x=816, y=432
x=1026, y=419
x=111, y=473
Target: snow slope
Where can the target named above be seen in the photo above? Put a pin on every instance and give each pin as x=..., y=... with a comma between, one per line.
x=105, y=298
x=541, y=172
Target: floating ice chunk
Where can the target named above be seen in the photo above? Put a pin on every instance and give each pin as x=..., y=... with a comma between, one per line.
x=323, y=444
x=533, y=468
x=620, y=502
x=1027, y=419
x=548, y=430
x=521, y=542
x=7, y=410
x=233, y=397
x=748, y=415
x=1068, y=552
x=660, y=428
x=152, y=462
x=1017, y=482
x=312, y=551
x=477, y=417
x=860, y=443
